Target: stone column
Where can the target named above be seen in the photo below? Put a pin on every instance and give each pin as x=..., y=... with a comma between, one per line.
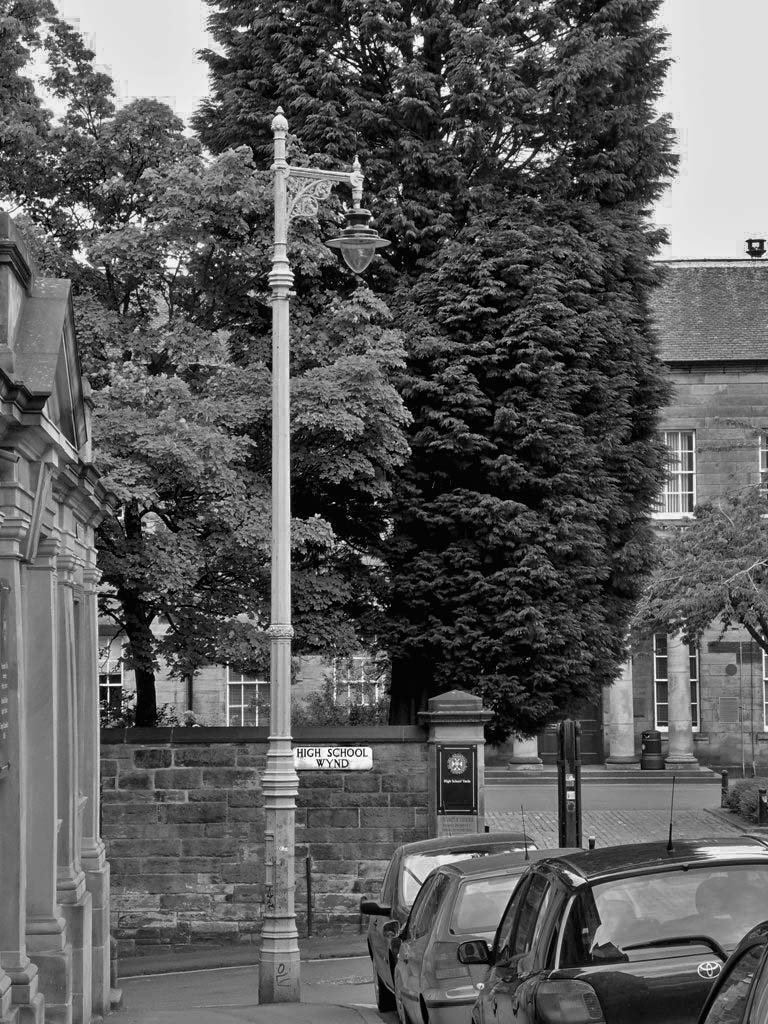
x=94, y=861
x=46, y=928
x=456, y=719
x=18, y=975
x=680, y=753
x=74, y=899
x=621, y=719
x=525, y=754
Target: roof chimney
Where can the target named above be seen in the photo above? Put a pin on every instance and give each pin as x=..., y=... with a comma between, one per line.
x=756, y=248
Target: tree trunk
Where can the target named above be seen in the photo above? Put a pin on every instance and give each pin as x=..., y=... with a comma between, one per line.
x=140, y=656
x=409, y=692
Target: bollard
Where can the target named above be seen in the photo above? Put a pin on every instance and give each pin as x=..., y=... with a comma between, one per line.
x=724, y=788
x=591, y=842
x=308, y=870
x=762, y=807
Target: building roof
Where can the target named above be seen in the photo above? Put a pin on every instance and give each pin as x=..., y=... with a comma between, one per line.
x=712, y=311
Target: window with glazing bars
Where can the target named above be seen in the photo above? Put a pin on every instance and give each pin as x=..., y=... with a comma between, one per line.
x=678, y=495
x=359, y=679
x=247, y=700
x=111, y=684
x=661, y=682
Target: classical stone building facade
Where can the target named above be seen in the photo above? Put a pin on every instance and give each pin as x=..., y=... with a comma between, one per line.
x=709, y=703
x=54, y=877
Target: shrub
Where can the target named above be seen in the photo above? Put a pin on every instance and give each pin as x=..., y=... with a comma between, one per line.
x=743, y=797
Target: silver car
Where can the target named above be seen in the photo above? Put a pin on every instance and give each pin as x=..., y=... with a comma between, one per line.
x=457, y=902
x=409, y=866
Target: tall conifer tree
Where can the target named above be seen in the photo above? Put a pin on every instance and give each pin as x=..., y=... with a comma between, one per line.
x=513, y=151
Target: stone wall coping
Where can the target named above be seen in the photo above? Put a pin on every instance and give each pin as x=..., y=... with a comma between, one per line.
x=179, y=735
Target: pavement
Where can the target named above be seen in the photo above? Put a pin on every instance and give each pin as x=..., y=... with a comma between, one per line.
x=220, y=986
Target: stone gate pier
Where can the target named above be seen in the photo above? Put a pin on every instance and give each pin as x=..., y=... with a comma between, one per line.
x=54, y=877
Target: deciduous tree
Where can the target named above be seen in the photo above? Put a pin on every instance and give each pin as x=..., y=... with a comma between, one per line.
x=711, y=570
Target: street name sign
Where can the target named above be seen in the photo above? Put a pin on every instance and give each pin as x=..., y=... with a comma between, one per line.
x=333, y=757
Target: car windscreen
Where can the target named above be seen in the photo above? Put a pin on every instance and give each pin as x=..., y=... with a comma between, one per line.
x=480, y=904
x=721, y=902
x=416, y=867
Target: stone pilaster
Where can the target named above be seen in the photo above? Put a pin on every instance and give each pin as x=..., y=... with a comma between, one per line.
x=73, y=896
x=680, y=753
x=93, y=851
x=621, y=719
x=18, y=975
x=46, y=927
x=455, y=720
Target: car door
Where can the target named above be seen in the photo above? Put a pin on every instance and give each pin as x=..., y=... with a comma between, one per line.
x=379, y=943
x=516, y=961
x=415, y=939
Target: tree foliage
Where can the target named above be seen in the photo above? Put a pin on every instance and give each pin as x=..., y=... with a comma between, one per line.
x=512, y=152
x=712, y=570
x=168, y=249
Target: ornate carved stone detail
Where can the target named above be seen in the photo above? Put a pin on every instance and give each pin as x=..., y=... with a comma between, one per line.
x=280, y=631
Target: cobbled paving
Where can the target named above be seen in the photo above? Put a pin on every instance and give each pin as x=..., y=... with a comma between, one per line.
x=612, y=828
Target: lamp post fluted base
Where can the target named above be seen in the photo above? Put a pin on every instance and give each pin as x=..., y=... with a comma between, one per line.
x=279, y=972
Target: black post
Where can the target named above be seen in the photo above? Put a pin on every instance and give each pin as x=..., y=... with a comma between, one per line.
x=724, y=788
x=569, y=782
x=561, y=744
x=308, y=868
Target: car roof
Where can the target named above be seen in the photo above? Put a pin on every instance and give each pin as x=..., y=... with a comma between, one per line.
x=635, y=859
x=469, y=841
x=497, y=862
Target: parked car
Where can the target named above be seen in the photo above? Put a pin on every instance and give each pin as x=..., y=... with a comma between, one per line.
x=457, y=901
x=409, y=866
x=621, y=935
x=740, y=994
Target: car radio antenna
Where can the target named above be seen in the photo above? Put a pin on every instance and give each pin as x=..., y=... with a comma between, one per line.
x=525, y=834
x=671, y=810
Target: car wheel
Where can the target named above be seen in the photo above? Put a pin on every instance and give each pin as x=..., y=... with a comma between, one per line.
x=385, y=1001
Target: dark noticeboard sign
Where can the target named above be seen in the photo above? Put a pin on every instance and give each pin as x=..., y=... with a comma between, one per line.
x=5, y=592
x=456, y=780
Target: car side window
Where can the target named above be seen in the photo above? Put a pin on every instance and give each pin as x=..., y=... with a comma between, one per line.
x=502, y=946
x=729, y=1004
x=530, y=919
x=426, y=905
x=759, y=1009
x=387, y=893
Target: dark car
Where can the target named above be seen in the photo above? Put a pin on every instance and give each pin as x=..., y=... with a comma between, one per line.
x=621, y=935
x=740, y=994
x=409, y=866
x=457, y=901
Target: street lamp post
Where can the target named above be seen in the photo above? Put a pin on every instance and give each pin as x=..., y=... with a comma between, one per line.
x=297, y=191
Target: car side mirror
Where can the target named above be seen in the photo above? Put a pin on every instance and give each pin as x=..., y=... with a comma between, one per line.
x=474, y=951
x=374, y=909
x=391, y=930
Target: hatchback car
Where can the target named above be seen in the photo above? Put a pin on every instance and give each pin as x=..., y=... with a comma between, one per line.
x=740, y=994
x=621, y=935
x=457, y=901
x=409, y=866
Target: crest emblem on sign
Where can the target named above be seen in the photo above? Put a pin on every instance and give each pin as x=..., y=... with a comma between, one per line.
x=709, y=969
x=457, y=764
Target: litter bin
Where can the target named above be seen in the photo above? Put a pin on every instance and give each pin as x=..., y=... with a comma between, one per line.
x=650, y=757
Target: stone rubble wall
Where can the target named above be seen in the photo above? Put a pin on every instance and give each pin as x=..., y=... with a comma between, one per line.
x=183, y=821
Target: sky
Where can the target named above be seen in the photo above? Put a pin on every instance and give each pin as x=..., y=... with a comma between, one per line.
x=714, y=92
